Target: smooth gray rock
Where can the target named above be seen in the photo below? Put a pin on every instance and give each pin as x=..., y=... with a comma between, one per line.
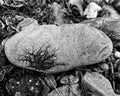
x=98, y=84
x=75, y=45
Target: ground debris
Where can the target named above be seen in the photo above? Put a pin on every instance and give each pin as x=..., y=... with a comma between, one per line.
x=66, y=90
x=99, y=79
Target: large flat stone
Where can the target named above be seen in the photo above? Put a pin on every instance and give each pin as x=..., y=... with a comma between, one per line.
x=75, y=45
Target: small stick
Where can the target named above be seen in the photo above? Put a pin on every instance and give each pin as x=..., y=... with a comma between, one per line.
x=55, y=87
x=113, y=77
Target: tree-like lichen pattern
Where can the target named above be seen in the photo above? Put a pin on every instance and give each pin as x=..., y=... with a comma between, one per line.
x=41, y=59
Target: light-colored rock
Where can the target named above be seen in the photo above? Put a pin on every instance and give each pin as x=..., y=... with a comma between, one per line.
x=92, y=10
x=75, y=45
x=4, y=41
x=1, y=2
x=98, y=84
x=107, y=1
x=66, y=90
x=26, y=22
x=117, y=54
x=58, y=13
x=2, y=25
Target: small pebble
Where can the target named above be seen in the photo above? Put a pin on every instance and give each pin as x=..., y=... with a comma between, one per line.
x=2, y=25
x=104, y=66
x=26, y=22
x=3, y=42
x=92, y=10
x=58, y=13
x=1, y=2
x=117, y=54
x=107, y=1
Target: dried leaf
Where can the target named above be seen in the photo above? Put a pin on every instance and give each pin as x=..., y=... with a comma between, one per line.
x=79, y=4
x=51, y=82
x=66, y=90
x=69, y=79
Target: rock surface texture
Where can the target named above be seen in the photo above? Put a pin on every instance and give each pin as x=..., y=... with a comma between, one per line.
x=68, y=46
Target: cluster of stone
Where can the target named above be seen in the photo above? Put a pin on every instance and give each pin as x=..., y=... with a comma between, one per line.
x=62, y=47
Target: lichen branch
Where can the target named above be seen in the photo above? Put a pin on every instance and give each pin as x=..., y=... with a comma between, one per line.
x=41, y=59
